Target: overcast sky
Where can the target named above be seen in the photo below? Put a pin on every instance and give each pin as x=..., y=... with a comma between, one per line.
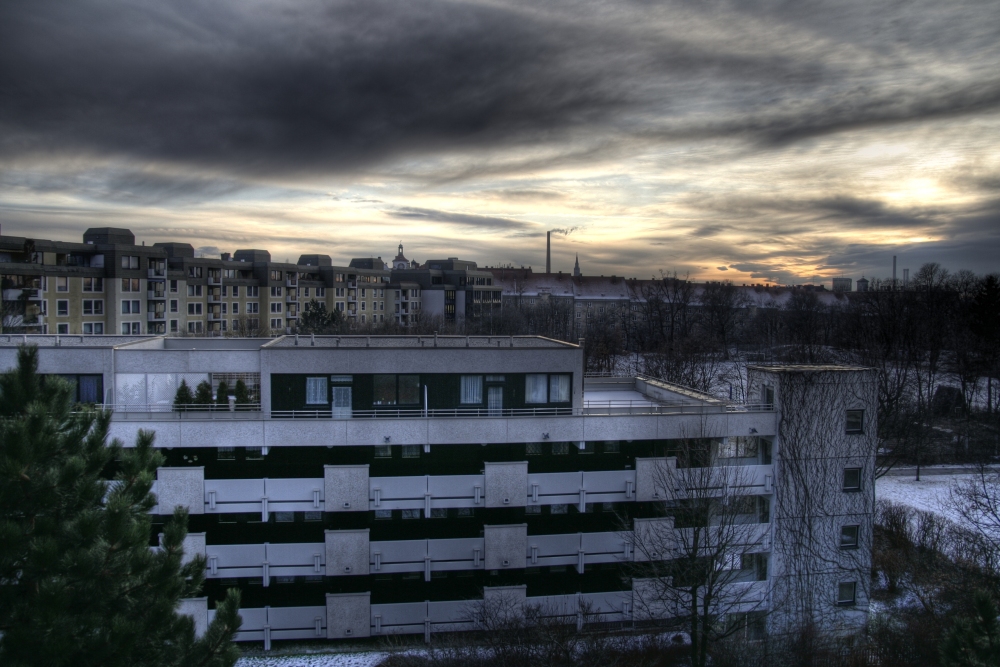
x=755, y=141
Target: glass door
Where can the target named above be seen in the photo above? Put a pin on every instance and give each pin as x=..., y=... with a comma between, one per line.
x=494, y=401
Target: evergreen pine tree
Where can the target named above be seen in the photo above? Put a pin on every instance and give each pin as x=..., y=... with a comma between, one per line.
x=222, y=396
x=242, y=395
x=183, y=398
x=315, y=319
x=974, y=642
x=203, y=394
x=79, y=583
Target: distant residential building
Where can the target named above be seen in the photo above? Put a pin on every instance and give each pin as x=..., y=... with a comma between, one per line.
x=109, y=285
x=842, y=284
x=863, y=284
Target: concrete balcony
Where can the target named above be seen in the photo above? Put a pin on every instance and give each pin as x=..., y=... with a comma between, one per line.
x=214, y=280
x=401, y=427
x=156, y=274
x=156, y=316
x=349, y=489
x=349, y=553
x=352, y=616
x=156, y=294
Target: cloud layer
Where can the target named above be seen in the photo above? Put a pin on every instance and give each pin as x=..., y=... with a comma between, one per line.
x=756, y=140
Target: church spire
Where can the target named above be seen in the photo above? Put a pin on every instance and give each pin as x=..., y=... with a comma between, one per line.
x=576, y=267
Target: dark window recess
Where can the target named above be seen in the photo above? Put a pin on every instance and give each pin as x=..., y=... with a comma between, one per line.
x=396, y=390
x=849, y=537
x=409, y=389
x=87, y=388
x=852, y=479
x=385, y=390
x=855, y=421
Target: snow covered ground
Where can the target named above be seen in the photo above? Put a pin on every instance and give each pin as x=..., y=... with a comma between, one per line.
x=930, y=494
x=364, y=659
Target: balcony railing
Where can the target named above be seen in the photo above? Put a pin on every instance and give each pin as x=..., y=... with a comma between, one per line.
x=160, y=411
x=156, y=273
x=450, y=413
x=214, y=280
x=156, y=316
x=156, y=294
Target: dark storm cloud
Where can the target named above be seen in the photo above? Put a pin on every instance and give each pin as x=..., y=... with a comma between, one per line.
x=482, y=223
x=311, y=87
x=265, y=90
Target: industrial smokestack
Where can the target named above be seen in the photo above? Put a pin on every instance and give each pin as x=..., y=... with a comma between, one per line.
x=893, y=270
x=906, y=277
x=548, y=252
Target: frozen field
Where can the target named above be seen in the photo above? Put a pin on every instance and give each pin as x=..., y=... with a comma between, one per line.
x=930, y=494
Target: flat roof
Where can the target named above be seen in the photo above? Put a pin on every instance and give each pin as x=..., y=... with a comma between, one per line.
x=423, y=341
x=304, y=341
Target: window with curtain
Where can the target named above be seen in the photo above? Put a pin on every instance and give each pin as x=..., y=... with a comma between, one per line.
x=89, y=388
x=316, y=391
x=535, y=388
x=472, y=389
x=559, y=389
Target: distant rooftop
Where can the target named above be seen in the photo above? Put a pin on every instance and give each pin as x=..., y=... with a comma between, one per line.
x=808, y=368
x=421, y=341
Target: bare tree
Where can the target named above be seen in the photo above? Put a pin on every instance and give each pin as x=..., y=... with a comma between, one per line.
x=977, y=501
x=701, y=565
x=723, y=306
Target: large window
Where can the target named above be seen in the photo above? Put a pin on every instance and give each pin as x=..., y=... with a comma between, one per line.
x=316, y=391
x=385, y=390
x=409, y=389
x=472, y=389
x=535, y=386
x=739, y=446
x=543, y=388
x=396, y=390
x=559, y=388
